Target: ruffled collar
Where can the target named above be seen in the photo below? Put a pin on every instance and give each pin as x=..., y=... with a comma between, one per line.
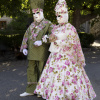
x=37, y=23
x=38, y=26
x=63, y=24
x=62, y=28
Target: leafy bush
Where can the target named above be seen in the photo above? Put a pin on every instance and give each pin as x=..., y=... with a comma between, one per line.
x=86, y=39
x=13, y=39
x=21, y=22
x=11, y=32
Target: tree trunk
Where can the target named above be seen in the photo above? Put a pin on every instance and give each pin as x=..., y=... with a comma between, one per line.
x=76, y=18
x=79, y=19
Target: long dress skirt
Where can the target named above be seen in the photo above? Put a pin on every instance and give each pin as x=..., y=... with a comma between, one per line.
x=62, y=79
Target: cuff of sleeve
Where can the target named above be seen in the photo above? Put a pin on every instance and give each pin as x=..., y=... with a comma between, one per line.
x=58, y=42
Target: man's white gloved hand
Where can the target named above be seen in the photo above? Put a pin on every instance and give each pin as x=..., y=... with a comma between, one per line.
x=25, y=52
x=45, y=38
x=38, y=43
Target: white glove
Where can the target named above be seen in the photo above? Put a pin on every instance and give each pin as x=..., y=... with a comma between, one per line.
x=45, y=38
x=25, y=52
x=38, y=43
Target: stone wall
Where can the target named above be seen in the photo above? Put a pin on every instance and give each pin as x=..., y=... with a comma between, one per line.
x=95, y=29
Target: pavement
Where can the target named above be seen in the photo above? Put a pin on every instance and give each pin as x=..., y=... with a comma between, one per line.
x=13, y=76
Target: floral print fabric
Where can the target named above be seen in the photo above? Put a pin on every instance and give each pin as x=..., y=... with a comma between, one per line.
x=63, y=77
x=68, y=42
x=34, y=30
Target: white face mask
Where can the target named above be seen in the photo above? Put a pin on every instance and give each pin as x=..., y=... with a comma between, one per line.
x=38, y=16
x=62, y=18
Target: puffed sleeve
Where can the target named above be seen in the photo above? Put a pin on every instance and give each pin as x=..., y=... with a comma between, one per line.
x=72, y=41
x=25, y=40
x=67, y=40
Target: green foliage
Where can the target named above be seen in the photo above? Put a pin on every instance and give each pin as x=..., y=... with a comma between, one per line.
x=10, y=7
x=89, y=5
x=86, y=39
x=49, y=12
x=13, y=7
x=19, y=23
x=86, y=7
x=11, y=39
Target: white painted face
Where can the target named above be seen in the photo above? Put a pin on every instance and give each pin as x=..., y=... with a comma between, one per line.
x=38, y=15
x=62, y=18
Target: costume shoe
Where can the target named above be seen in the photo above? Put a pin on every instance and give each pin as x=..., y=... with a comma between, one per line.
x=26, y=94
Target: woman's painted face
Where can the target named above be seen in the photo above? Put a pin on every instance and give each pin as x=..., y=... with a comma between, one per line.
x=62, y=18
x=38, y=15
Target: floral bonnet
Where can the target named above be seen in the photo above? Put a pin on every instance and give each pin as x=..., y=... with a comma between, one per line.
x=61, y=7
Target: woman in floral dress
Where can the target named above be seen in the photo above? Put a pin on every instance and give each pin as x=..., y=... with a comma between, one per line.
x=64, y=77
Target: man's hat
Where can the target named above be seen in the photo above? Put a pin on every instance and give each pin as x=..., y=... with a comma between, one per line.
x=36, y=4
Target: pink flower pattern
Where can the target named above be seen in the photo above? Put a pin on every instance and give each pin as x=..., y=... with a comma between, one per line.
x=33, y=35
x=67, y=62
x=68, y=73
x=50, y=69
x=67, y=79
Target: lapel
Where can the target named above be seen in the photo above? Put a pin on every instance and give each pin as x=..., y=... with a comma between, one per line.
x=35, y=28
